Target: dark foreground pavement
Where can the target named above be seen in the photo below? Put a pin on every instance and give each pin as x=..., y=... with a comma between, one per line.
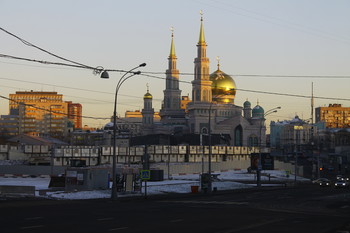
x=301, y=209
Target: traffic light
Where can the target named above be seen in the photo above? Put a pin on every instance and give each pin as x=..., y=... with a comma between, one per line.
x=321, y=168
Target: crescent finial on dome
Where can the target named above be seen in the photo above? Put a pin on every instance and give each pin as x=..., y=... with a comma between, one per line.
x=218, y=59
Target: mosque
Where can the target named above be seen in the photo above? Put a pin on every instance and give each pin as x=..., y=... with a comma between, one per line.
x=211, y=111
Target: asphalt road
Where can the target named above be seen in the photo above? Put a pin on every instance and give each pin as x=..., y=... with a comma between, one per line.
x=307, y=208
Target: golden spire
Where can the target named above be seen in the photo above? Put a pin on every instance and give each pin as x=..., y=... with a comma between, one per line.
x=201, y=32
x=172, y=47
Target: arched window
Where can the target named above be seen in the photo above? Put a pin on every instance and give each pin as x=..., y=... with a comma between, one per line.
x=253, y=140
x=238, y=133
x=256, y=141
x=250, y=141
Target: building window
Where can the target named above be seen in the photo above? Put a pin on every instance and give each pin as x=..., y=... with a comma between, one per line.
x=238, y=133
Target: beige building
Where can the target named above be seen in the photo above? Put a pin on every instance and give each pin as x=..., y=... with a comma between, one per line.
x=335, y=116
x=291, y=135
x=40, y=113
x=138, y=114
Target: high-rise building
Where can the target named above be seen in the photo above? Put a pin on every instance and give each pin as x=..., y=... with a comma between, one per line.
x=9, y=125
x=334, y=116
x=75, y=114
x=40, y=113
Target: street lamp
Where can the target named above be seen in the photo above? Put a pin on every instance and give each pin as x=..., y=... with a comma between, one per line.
x=297, y=128
x=120, y=82
x=258, y=173
x=210, y=151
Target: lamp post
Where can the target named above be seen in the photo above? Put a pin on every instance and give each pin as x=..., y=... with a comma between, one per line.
x=114, y=160
x=210, y=151
x=258, y=173
x=297, y=128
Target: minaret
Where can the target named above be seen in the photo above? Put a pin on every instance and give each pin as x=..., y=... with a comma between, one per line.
x=172, y=93
x=147, y=111
x=201, y=85
x=171, y=108
x=247, y=110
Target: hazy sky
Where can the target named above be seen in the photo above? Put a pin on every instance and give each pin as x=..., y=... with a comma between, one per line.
x=251, y=37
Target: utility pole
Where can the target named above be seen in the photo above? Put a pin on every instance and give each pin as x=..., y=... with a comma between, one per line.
x=312, y=103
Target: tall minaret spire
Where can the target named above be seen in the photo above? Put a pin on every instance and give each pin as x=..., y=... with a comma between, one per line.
x=172, y=47
x=201, y=32
x=201, y=85
x=172, y=94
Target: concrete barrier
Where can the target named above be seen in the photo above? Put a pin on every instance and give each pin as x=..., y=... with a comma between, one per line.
x=15, y=191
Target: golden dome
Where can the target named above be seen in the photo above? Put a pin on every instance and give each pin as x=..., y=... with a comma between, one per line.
x=223, y=87
x=147, y=96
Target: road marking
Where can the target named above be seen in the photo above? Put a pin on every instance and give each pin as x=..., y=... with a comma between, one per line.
x=212, y=202
x=119, y=228
x=176, y=220
x=31, y=227
x=104, y=219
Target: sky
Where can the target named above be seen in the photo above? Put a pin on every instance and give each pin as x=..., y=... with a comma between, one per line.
x=299, y=43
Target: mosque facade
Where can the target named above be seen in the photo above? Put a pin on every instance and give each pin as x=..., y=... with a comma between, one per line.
x=212, y=109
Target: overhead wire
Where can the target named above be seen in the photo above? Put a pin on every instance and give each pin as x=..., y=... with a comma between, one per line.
x=40, y=61
x=262, y=92
x=100, y=69
x=72, y=88
x=277, y=21
x=181, y=73
x=60, y=113
x=48, y=110
x=45, y=51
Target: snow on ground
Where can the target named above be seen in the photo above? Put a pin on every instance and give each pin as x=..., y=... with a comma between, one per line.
x=178, y=184
x=39, y=183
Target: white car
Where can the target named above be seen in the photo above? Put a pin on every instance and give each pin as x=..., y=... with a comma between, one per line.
x=341, y=184
x=342, y=178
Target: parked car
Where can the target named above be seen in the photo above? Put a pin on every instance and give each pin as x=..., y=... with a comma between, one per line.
x=325, y=183
x=341, y=184
x=343, y=178
x=339, y=177
x=319, y=180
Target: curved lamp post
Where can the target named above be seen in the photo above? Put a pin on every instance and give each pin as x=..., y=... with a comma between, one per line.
x=258, y=174
x=105, y=74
